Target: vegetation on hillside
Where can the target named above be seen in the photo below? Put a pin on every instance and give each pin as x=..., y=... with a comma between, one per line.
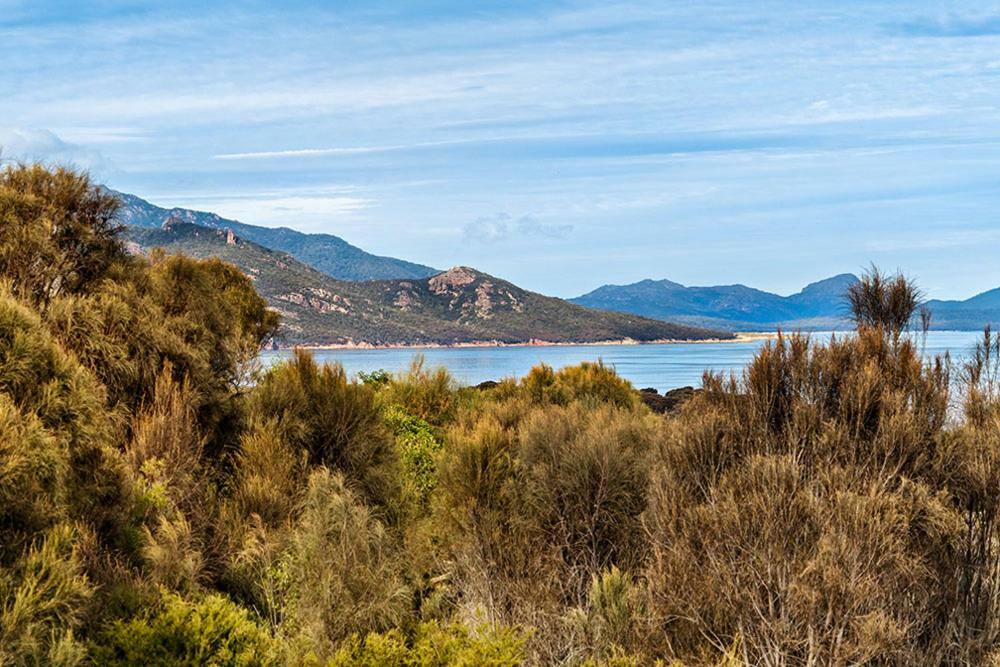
x=459, y=306
x=165, y=502
x=329, y=254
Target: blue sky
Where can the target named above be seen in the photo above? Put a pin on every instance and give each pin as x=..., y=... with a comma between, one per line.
x=560, y=145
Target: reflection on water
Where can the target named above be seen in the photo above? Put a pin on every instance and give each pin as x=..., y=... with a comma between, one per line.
x=661, y=366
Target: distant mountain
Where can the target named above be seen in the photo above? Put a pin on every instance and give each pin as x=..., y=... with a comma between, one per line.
x=971, y=314
x=730, y=307
x=819, y=306
x=327, y=253
x=459, y=306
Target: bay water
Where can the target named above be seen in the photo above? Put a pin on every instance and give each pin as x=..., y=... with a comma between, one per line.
x=661, y=366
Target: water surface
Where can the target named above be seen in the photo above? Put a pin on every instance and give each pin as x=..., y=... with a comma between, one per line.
x=663, y=366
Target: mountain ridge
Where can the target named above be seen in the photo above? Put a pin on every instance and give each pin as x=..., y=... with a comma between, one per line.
x=819, y=305
x=461, y=306
x=327, y=253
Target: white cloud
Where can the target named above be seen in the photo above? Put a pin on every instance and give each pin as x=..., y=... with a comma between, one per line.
x=320, y=152
x=45, y=146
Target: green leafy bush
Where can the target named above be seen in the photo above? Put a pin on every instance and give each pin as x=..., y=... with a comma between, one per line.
x=42, y=602
x=430, y=394
x=586, y=381
x=418, y=451
x=208, y=631
x=433, y=645
x=343, y=575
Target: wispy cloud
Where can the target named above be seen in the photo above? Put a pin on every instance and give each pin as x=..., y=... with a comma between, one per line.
x=949, y=25
x=631, y=130
x=351, y=150
x=503, y=227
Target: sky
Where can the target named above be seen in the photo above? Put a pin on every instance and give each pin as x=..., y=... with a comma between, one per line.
x=559, y=145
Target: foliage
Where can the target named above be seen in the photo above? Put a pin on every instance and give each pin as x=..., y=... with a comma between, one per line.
x=815, y=508
x=429, y=394
x=58, y=408
x=43, y=598
x=879, y=300
x=316, y=409
x=587, y=381
x=418, y=452
x=58, y=233
x=376, y=378
x=209, y=631
x=433, y=645
x=343, y=576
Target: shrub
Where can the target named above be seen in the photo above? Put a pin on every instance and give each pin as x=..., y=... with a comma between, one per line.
x=431, y=395
x=377, y=378
x=541, y=500
x=208, y=631
x=338, y=423
x=433, y=645
x=51, y=391
x=342, y=572
x=816, y=509
x=42, y=600
x=586, y=381
x=418, y=451
x=611, y=621
x=33, y=471
x=58, y=233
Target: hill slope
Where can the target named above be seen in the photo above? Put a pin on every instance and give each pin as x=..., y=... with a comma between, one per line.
x=459, y=306
x=330, y=254
x=820, y=305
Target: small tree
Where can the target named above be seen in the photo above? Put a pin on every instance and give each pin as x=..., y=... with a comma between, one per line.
x=879, y=300
x=58, y=232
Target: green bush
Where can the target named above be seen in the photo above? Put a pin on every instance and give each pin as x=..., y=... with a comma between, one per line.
x=433, y=645
x=418, y=451
x=430, y=394
x=211, y=631
x=64, y=421
x=58, y=233
x=42, y=602
x=587, y=381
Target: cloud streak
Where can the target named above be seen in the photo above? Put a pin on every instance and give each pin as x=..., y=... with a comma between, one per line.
x=504, y=227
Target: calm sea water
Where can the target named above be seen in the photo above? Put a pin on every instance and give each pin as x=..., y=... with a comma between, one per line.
x=661, y=366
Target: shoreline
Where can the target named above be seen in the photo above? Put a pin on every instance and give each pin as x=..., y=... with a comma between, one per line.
x=739, y=337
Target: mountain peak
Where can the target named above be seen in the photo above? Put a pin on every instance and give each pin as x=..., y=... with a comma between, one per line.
x=454, y=278
x=837, y=284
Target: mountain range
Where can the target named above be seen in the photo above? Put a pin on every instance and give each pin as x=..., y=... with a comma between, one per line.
x=332, y=292
x=819, y=306
x=327, y=253
x=455, y=307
